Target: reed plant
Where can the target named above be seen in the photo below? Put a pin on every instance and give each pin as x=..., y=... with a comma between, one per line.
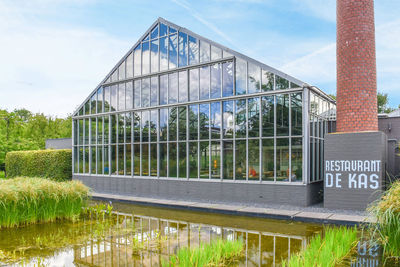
x=326, y=250
x=31, y=200
x=217, y=253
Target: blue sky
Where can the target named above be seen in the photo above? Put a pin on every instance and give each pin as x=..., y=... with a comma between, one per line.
x=54, y=53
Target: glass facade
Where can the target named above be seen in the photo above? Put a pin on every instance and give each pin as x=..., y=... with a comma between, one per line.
x=179, y=107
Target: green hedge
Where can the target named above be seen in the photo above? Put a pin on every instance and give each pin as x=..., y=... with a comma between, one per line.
x=52, y=164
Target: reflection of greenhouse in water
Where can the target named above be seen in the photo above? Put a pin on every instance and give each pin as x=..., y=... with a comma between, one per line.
x=181, y=116
x=156, y=239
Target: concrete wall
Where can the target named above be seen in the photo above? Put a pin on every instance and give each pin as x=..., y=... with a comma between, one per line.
x=391, y=127
x=60, y=143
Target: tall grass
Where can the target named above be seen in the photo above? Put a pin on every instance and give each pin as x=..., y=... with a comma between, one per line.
x=217, y=253
x=328, y=250
x=31, y=200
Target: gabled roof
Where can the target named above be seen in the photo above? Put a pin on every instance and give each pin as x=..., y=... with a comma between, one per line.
x=201, y=38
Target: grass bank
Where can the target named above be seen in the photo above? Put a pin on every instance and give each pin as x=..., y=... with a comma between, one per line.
x=326, y=250
x=217, y=253
x=32, y=200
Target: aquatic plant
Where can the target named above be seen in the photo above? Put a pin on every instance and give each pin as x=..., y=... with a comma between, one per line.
x=31, y=200
x=217, y=253
x=326, y=250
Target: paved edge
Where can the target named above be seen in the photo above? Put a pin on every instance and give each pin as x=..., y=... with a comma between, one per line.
x=290, y=215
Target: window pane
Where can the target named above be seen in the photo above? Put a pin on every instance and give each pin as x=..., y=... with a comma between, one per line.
x=121, y=71
x=163, y=89
x=281, y=83
x=153, y=159
x=267, y=81
x=137, y=69
x=204, y=121
x=228, y=119
x=297, y=114
x=163, y=29
x=114, y=76
x=172, y=123
x=254, y=117
x=268, y=159
x=93, y=130
x=215, y=80
x=114, y=97
x=86, y=160
x=194, y=84
x=106, y=130
x=136, y=97
x=163, y=159
x=154, y=56
x=216, y=53
x=240, y=158
x=172, y=30
x=113, y=159
x=173, y=88
x=193, y=122
x=107, y=99
x=86, y=128
x=136, y=159
x=297, y=160
x=204, y=160
x=183, y=86
x=106, y=160
x=204, y=51
x=145, y=58
x=163, y=124
x=128, y=127
x=153, y=125
x=121, y=157
x=228, y=160
x=121, y=122
x=99, y=160
x=227, y=79
x=129, y=66
x=216, y=120
x=241, y=118
x=254, y=78
x=93, y=159
x=100, y=100
x=154, y=91
x=145, y=159
x=215, y=160
x=163, y=53
x=183, y=48
x=145, y=92
x=282, y=115
x=182, y=123
x=80, y=156
x=182, y=160
x=136, y=126
x=267, y=112
x=254, y=159
x=173, y=53
x=113, y=129
x=193, y=51
x=99, y=130
x=193, y=159
x=204, y=82
x=154, y=32
x=129, y=95
x=93, y=103
x=172, y=172
x=282, y=159
x=121, y=96
x=128, y=160
x=145, y=125
x=240, y=76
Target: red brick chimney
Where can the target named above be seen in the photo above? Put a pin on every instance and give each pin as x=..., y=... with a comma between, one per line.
x=356, y=66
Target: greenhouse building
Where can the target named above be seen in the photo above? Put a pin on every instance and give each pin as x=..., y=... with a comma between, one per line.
x=183, y=117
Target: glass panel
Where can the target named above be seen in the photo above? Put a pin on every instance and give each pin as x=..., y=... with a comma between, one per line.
x=228, y=119
x=182, y=160
x=172, y=167
x=228, y=160
x=145, y=58
x=164, y=53
x=145, y=159
x=154, y=32
x=114, y=76
x=93, y=103
x=99, y=130
x=215, y=120
x=164, y=89
x=114, y=97
x=204, y=82
x=129, y=95
x=81, y=160
x=204, y=51
x=145, y=125
x=128, y=159
x=194, y=84
x=240, y=76
x=86, y=165
x=128, y=127
x=183, y=48
x=121, y=71
x=227, y=79
x=146, y=92
x=215, y=80
x=254, y=78
x=106, y=130
x=129, y=66
x=136, y=97
x=163, y=124
x=240, y=158
x=193, y=122
x=137, y=68
x=107, y=99
x=268, y=159
x=226, y=54
x=183, y=86
x=182, y=123
x=93, y=130
x=267, y=81
x=87, y=107
x=282, y=115
x=113, y=129
x=153, y=125
x=153, y=159
x=193, y=51
x=240, y=118
x=106, y=160
x=121, y=120
x=93, y=159
x=154, y=91
x=147, y=37
x=136, y=159
x=121, y=96
x=163, y=29
x=215, y=160
x=154, y=56
x=297, y=114
x=282, y=159
x=254, y=159
x=113, y=159
x=281, y=83
x=172, y=123
x=121, y=158
x=163, y=159
x=204, y=160
x=216, y=53
x=267, y=105
x=173, y=88
x=297, y=160
x=136, y=126
x=100, y=100
x=171, y=30
x=173, y=51
x=86, y=121
x=99, y=160
x=253, y=107
x=193, y=159
x=204, y=121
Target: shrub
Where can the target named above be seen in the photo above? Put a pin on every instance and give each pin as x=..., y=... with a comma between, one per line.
x=52, y=164
x=30, y=200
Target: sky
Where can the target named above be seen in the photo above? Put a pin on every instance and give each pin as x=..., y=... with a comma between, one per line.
x=55, y=52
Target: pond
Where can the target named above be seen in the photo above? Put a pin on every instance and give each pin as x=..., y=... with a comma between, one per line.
x=145, y=236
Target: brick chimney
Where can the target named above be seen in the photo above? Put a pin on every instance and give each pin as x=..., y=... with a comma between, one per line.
x=356, y=66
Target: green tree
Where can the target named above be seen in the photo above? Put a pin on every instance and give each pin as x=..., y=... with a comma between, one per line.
x=383, y=103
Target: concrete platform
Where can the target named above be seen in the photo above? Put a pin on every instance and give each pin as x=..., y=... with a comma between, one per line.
x=327, y=217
